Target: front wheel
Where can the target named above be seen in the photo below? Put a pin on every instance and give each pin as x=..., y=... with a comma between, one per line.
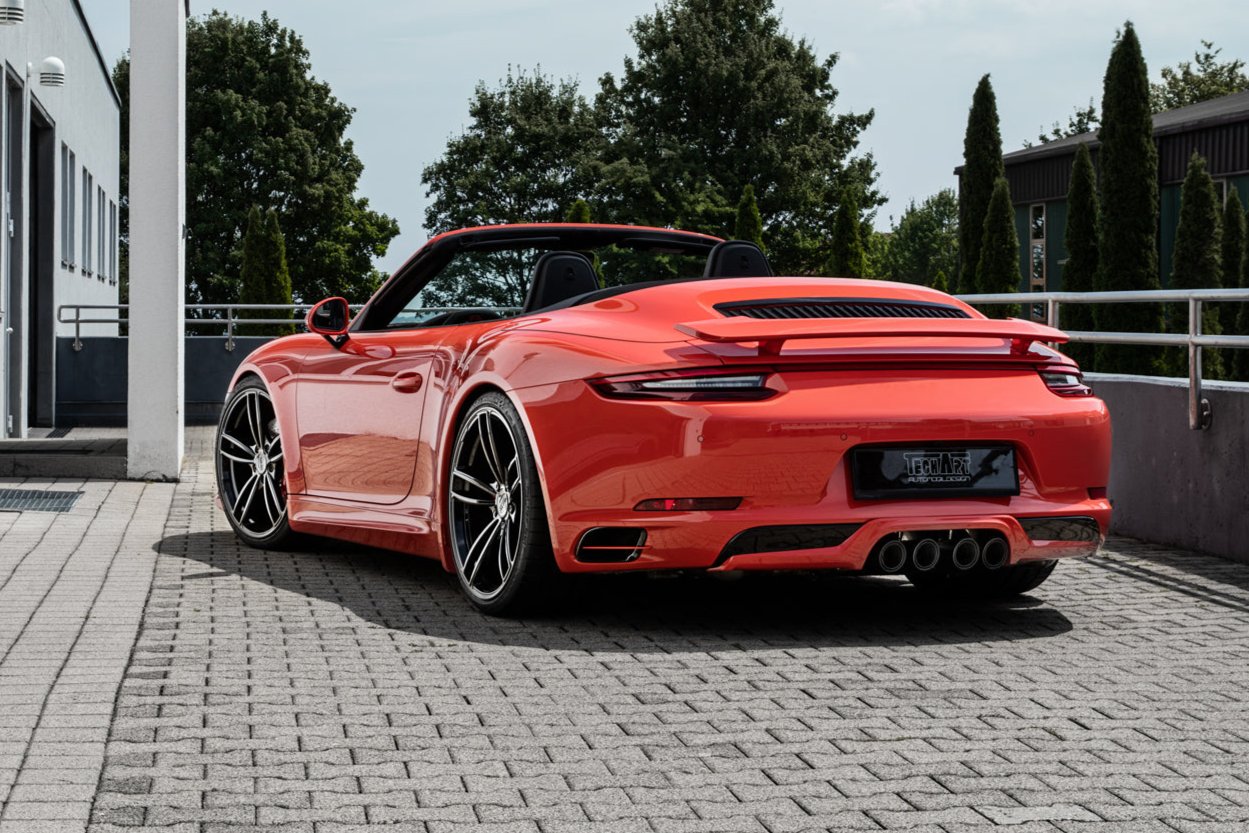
x=251, y=473
x=496, y=518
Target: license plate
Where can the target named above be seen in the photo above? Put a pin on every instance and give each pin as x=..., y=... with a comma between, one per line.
x=895, y=472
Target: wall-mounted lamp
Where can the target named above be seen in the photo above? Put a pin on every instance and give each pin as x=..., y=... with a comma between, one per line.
x=51, y=71
x=12, y=12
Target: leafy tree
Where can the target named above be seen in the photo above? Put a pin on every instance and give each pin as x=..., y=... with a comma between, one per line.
x=1196, y=261
x=719, y=96
x=876, y=248
x=848, y=258
x=941, y=283
x=579, y=212
x=1203, y=78
x=982, y=168
x=749, y=225
x=925, y=240
x=525, y=155
x=266, y=278
x=1083, y=120
x=261, y=129
x=998, y=270
x=1080, y=273
x=1128, y=246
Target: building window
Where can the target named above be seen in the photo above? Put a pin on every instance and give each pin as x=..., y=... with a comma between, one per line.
x=1036, y=245
x=100, y=250
x=112, y=243
x=88, y=197
x=69, y=208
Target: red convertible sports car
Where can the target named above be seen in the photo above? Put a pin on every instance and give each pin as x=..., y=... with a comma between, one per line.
x=718, y=418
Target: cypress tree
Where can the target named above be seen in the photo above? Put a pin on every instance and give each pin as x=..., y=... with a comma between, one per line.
x=998, y=269
x=848, y=259
x=1128, y=246
x=1196, y=262
x=941, y=283
x=749, y=225
x=1081, y=240
x=266, y=278
x=280, y=287
x=578, y=212
x=982, y=167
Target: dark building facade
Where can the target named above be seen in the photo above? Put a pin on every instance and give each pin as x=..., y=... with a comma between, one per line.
x=1039, y=177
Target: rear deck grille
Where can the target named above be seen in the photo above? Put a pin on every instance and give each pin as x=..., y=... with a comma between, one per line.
x=838, y=308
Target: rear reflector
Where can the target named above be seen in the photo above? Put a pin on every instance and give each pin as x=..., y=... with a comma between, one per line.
x=689, y=504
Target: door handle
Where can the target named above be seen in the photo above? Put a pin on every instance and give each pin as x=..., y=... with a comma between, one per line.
x=409, y=381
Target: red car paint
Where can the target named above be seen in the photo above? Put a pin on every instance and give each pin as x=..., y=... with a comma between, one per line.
x=367, y=426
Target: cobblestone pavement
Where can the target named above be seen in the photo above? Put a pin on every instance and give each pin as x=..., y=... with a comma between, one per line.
x=329, y=689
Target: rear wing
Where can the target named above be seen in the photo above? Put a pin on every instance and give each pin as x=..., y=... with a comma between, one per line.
x=771, y=334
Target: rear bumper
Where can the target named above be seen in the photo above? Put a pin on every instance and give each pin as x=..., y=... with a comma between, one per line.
x=787, y=458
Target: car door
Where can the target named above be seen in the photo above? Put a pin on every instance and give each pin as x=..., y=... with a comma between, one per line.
x=360, y=407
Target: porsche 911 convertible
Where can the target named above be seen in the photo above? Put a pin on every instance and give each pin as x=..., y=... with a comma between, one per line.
x=700, y=414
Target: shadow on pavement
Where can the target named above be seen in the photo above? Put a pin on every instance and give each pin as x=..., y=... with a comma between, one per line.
x=622, y=613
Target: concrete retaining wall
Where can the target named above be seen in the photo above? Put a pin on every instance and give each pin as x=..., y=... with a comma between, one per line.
x=1170, y=484
x=91, y=382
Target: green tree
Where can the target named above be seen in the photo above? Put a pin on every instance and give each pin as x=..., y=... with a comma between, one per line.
x=265, y=276
x=982, y=168
x=941, y=283
x=1083, y=120
x=718, y=97
x=1195, y=263
x=1128, y=245
x=261, y=129
x=925, y=240
x=525, y=156
x=578, y=212
x=848, y=259
x=1203, y=78
x=998, y=270
x=1080, y=273
x=749, y=225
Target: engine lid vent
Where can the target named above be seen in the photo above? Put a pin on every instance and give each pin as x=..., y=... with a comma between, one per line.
x=838, y=308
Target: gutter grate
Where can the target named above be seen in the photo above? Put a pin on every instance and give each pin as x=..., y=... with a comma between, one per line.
x=37, y=500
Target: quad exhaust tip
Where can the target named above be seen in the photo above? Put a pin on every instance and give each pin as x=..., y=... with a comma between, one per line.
x=892, y=556
x=925, y=555
x=966, y=553
x=995, y=553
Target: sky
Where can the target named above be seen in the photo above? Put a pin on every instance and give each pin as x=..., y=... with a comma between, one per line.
x=408, y=67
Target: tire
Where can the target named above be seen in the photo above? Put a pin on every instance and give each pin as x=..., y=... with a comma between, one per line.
x=251, y=473
x=495, y=515
x=984, y=584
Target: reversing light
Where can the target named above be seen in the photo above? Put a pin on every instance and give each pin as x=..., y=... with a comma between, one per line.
x=1065, y=381
x=689, y=504
x=690, y=388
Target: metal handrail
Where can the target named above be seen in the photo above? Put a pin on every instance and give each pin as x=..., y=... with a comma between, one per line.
x=1199, y=410
x=229, y=319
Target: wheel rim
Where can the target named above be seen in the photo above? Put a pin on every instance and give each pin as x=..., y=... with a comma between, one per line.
x=250, y=462
x=486, y=503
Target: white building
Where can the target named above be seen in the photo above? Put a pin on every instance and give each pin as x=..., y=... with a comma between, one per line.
x=59, y=170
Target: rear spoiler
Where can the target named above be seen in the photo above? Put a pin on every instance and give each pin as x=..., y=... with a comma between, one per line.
x=771, y=334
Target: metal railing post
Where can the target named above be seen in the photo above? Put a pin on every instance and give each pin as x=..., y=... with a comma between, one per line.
x=77, y=329
x=229, y=329
x=1199, y=414
x=1051, y=313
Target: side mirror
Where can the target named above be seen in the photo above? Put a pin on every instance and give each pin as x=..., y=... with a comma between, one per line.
x=330, y=319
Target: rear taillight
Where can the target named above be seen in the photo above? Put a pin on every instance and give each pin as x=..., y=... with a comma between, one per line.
x=688, y=387
x=1064, y=380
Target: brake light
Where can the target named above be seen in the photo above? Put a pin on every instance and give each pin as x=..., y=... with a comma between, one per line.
x=687, y=387
x=1065, y=380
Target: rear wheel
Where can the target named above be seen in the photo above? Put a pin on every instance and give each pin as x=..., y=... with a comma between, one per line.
x=981, y=583
x=495, y=513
